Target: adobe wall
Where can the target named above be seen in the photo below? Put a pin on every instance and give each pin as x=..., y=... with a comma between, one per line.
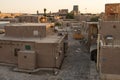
x=48, y=54
x=110, y=28
x=29, y=19
x=110, y=59
x=8, y=52
x=25, y=31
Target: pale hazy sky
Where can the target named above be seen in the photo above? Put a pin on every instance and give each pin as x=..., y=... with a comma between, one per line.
x=31, y=6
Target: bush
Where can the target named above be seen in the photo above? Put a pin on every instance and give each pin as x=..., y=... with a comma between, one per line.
x=94, y=19
x=57, y=24
x=70, y=16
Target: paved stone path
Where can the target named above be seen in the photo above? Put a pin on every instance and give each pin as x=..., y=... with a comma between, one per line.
x=93, y=72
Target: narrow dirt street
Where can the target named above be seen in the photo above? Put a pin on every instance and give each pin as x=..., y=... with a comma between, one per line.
x=76, y=65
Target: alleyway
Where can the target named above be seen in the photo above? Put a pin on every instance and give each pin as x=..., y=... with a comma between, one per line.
x=76, y=65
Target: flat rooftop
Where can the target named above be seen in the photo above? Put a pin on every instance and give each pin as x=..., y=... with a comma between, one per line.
x=48, y=39
x=28, y=24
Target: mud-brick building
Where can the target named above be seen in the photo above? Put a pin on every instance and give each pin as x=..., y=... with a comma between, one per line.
x=32, y=45
x=90, y=33
x=112, y=12
x=109, y=50
x=29, y=19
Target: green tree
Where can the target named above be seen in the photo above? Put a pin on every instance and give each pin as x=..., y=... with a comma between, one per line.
x=57, y=24
x=94, y=19
x=70, y=16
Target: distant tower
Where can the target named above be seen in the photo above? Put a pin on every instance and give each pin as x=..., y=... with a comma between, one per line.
x=45, y=12
x=75, y=9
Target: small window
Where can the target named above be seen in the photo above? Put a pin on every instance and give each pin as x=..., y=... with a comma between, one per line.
x=35, y=33
x=27, y=47
x=109, y=39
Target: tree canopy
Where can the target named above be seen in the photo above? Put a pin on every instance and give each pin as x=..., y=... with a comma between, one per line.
x=70, y=16
x=94, y=19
